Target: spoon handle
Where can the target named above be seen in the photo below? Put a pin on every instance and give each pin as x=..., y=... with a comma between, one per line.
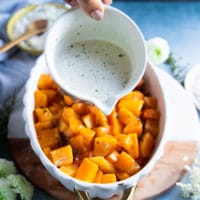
x=16, y=41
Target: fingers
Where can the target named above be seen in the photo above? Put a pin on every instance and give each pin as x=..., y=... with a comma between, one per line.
x=94, y=8
x=73, y=3
x=107, y=2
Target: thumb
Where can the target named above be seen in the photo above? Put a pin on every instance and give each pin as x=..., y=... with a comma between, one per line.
x=94, y=8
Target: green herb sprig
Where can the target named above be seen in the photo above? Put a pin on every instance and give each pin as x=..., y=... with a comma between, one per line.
x=178, y=71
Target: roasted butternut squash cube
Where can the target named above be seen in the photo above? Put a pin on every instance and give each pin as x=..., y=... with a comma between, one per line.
x=104, y=165
x=70, y=169
x=62, y=156
x=68, y=100
x=88, y=135
x=125, y=115
x=150, y=102
x=146, y=145
x=108, y=178
x=130, y=143
x=43, y=125
x=135, y=94
x=81, y=108
x=104, y=145
x=122, y=175
x=46, y=82
x=150, y=113
x=98, y=177
x=134, y=126
x=47, y=152
x=89, y=120
x=113, y=156
x=102, y=131
x=50, y=93
x=116, y=126
x=41, y=100
x=100, y=117
x=78, y=144
x=126, y=163
x=87, y=170
x=48, y=138
x=134, y=105
x=151, y=126
x=72, y=121
x=43, y=115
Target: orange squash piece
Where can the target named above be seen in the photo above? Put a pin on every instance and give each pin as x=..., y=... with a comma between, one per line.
x=49, y=138
x=41, y=100
x=122, y=175
x=104, y=165
x=68, y=100
x=71, y=118
x=43, y=114
x=134, y=126
x=102, y=131
x=70, y=169
x=46, y=82
x=88, y=135
x=150, y=113
x=125, y=115
x=135, y=94
x=146, y=145
x=87, y=170
x=130, y=143
x=78, y=144
x=134, y=105
x=100, y=117
x=126, y=163
x=150, y=102
x=98, y=177
x=62, y=156
x=151, y=126
x=43, y=125
x=89, y=120
x=113, y=156
x=81, y=108
x=104, y=145
x=50, y=93
x=116, y=126
x=47, y=152
x=108, y=178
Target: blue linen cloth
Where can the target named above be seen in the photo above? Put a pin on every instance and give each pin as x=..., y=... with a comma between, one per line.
x=15, y=66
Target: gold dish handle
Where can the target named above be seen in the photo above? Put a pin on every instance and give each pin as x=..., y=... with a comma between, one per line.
x=128, y=194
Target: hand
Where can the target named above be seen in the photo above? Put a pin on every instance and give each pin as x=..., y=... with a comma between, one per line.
x=94, y=8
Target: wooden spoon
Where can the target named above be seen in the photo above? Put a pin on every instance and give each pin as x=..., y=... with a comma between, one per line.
x=36, y=27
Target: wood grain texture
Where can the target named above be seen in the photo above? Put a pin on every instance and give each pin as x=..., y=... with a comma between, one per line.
x=166, y=172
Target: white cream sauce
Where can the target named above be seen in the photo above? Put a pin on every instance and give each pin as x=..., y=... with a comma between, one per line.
x=95, y=68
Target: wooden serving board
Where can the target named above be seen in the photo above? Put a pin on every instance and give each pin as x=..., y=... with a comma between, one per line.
x=166, y=172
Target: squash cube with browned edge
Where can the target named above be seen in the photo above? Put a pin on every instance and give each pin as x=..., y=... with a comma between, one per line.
x=104, y=145
x=146, y=145
x=129, y=142
x=104, y=165
x=126, y=163
x=70, y=169
x=62, y=156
